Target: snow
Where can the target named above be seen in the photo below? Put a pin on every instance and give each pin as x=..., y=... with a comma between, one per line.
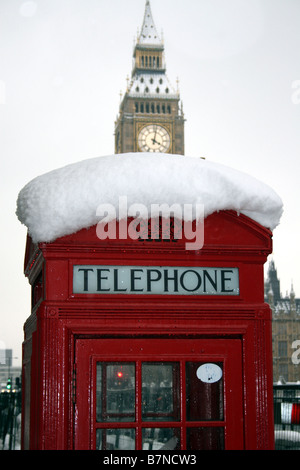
x=65, y=200
x=156, y=85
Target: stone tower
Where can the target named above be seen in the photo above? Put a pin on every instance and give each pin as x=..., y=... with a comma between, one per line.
x=150, y=116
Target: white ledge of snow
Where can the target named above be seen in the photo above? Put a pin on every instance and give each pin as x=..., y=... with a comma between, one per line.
x=65, y=200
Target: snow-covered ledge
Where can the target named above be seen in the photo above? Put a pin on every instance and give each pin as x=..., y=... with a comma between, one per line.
x=65, y=200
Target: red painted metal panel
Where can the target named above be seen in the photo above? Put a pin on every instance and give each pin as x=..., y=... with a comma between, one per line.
x=59, y=318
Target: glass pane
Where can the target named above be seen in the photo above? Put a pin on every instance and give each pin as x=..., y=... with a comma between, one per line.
x=205, y=439
x=115, y=394
x=161, y=439
x=115, y=439
x=160, y=391
x=204, y=391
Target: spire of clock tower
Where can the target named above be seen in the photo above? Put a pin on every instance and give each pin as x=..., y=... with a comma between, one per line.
x=149, y=33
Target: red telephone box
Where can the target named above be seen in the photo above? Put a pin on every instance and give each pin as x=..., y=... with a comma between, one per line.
x=142, y=344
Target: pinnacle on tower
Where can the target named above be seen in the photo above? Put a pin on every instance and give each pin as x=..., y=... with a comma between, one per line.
x=149, y=34
x=273, y=281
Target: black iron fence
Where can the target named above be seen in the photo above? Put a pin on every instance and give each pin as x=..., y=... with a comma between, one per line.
x=10, y=420
x=287, y=416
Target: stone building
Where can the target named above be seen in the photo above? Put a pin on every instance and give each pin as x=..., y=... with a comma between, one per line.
x=285, y=329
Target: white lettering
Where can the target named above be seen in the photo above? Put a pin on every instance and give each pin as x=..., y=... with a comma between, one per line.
x=106, y=228
x=114, y=460
x=166, y=212
x=198, y=234
x=137, y=227
x=191, y=217
x=296, y=354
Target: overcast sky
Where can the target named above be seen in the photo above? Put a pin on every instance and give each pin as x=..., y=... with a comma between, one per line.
x=63, y=64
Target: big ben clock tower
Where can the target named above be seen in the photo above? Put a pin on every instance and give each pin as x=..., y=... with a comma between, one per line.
x=150, y=117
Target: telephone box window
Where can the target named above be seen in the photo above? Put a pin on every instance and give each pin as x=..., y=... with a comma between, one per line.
x=115, y=392
x=204, y=391
x=164, y=394
x=161, y=439
x=160, y=391
x=205, y=438
x=115, y=439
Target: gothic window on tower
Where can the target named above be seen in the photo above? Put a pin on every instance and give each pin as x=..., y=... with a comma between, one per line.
x=282, y=328
x=282, y=348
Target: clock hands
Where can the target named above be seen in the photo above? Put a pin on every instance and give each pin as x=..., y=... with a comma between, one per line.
x=155, y=142
x=154, y=138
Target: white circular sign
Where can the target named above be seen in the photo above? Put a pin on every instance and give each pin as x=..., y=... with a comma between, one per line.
x=209, y=373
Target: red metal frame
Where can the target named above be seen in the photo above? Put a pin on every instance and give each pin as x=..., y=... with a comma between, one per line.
x=89, y=352
x=59, y=318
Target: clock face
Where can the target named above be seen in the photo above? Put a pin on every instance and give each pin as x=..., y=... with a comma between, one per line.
x=154, y=138
x=209, y=373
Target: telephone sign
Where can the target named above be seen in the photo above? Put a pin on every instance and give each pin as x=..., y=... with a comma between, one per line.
x=155, y=280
